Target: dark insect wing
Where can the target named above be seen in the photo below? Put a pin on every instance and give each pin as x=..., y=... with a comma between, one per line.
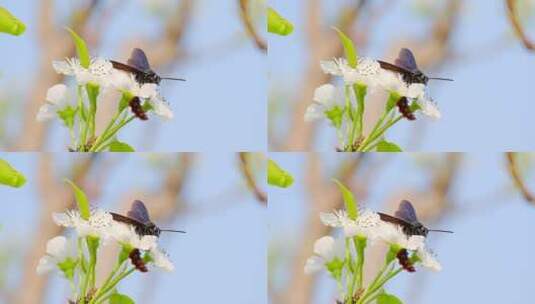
x=125, y=67
x=394, y=68
x=124, y=219
x=139, y=212
x=406, y=212
x=406, y=60
x=139, y=60
x=393, y=220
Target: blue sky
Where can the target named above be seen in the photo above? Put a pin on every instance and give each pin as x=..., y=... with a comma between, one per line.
x=221, y=106
x=221, y=259
x=487, y=260
x=487, y=108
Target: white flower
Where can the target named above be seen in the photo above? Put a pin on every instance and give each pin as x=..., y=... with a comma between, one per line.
x=394, y=235
x=326, y=97
x=393, y=82
x=367, y=224
x=126, y=235
x=428, y=106
x=98, y=72
x=161, y=260
x=326, y=249
x=58, y=250
x=365, y=72
x=98, y=224
x=57, y=99
x=126, y=82
x=428, y=260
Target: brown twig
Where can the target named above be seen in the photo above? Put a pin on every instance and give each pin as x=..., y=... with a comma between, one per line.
x=245, y=168
x=324, y=197
x=512, y=168
x=249, y=27
x=55, y=46
x=322, y=46
x=512, y=14
x=56, y=197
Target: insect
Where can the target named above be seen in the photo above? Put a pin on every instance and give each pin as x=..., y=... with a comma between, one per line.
x=138, y=216
x=407, y=219
x=405, y=109
x=137, y=260
x=138, y=64
x=137, y=108
x=404, y=261
x=405, y=65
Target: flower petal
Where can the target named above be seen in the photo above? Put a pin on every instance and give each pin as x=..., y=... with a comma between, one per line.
x=56, y=247
x=57, y=94
x=325, y=94
x=314, y=264
x=324, y=247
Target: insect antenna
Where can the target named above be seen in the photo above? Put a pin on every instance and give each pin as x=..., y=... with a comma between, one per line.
x=170, y=78
x=439, y=78
x=436, y=230
x=169, y=230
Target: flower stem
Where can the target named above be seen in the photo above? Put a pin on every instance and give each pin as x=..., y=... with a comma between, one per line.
x=110, y=287
x=360, y=245
x=111, y=133
x=112, y=122
x=104, y=286
x=371, y=142
x=351, y=272
x=379, y=284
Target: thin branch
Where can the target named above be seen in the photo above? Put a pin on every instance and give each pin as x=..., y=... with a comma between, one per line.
x=512, y=168
x=245, y=168
x=322, y=46
x=56, y=196
x=512, y=14
x=249, y=26
x=324, y=196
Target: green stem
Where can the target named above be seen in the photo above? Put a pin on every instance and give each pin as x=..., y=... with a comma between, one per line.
x=370, y=145
x=111, y=133
x=112, y=285
x=85, y=280
x=351, y=114
x=349, y=279
x=360, y=245
x=378, y=286
x=83, y=118
x=110, y=277
x=112, y=122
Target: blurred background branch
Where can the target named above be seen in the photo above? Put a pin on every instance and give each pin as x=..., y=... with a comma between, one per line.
x=247, y=21
x=249, y=176
x=514, y=170
x=516, y=24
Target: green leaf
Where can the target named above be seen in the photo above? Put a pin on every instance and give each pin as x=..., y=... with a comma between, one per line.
x=118, y=146
x=277, y=176
x=81, y=199
x=349, y=200
x=335, y=115
x=68, y=266
x=278, y=24
x=67, y=115
x=9, y=176
x=385, y=298
x=118, y=298
x=81, y=48
x=385, y=146
x=9, y=24
x=349, y=48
